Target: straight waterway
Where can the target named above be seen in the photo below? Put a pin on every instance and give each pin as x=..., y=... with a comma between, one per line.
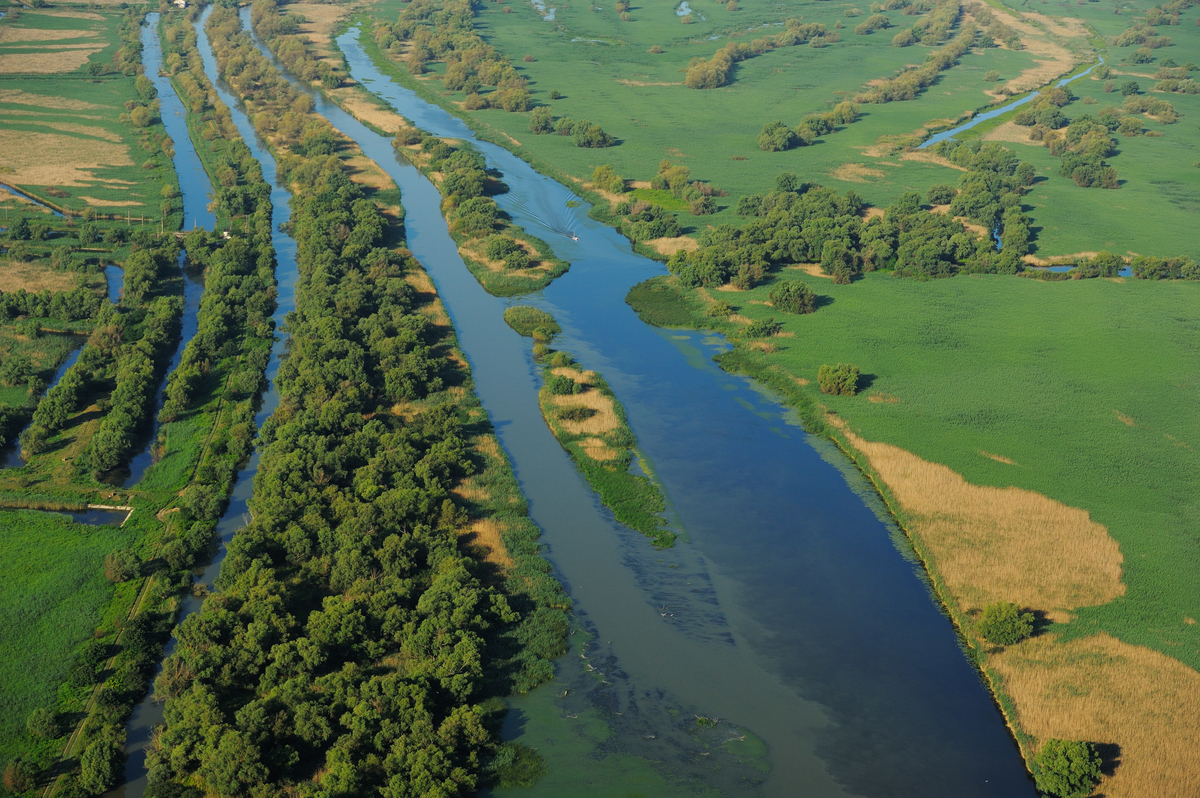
x=196, y=189
x=149, y=714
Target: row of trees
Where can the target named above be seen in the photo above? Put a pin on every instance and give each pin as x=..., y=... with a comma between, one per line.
x=910, y=83
x=582, y=132
x=717, y=71
x=777, y=137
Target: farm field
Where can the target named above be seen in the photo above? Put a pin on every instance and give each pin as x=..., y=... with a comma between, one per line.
x=67, y=137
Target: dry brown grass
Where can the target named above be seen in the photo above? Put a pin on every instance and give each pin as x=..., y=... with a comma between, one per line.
x=101, y=203
x=1053, y=58
x=669, y=246
x=320, y=19
x=1104, y=690
x=50, y=63
x=1010, y=131
x=420, y=281
x=88, y=15
x=10, y=34
x=811, y=269
x=998, y=544
x=873, y=213
x=359, y=107
x=41, y=101
x=855, y=173
x=1124, y=419
x=470, y=490
x=999, y=458
x=15, y=275
x=485, y=536
x=882, y=399
x=625, y=82
x=929, y=157
x=365, y=172
x=50, y=159
x=598, y=449
x=604, y=420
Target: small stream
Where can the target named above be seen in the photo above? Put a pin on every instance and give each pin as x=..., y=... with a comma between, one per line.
x=148, y=713
x=196, y=188
x=12, y=451
x=975, y=120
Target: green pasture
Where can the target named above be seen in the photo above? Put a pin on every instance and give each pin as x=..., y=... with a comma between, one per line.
x=1041, y=373
x=50, y=601
x=613, y=84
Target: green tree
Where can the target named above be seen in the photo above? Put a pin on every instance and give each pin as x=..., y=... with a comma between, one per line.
x=1003, y=623
x=19, y=775
x=1068, y=768
x=1130, y=87
x=940, y=194
x=541, y=121
x=43, y=724
x=120, y=565
x=19, y=230
x=776, y=137
x=100, y=766
x=839, y=380
x=793, y=296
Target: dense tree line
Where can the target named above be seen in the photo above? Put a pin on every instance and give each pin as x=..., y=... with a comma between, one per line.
x=282, y=34
x=443, y=30
x=1083, y=148
x=776, y=136
x=582, y=132
x=352, y=642
x=714, y=72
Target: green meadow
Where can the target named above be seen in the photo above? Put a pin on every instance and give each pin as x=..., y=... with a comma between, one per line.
x=1088, y=386
x=50, y=602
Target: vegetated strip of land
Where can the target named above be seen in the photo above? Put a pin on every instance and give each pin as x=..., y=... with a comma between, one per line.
x=353, y=574
x=505, y=259
x=590, y=423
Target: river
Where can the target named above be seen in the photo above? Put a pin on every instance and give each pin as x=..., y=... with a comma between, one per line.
x=792, y=610
x=148, y=713
x=196, y=190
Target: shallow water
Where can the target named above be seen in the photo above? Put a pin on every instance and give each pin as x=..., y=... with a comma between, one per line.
x=114, y=279
x=196, y=190
x=148, y=714
x=96, y=517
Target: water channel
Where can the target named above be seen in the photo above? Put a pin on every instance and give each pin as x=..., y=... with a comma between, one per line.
x=196, y=189
x=792, y=611
x=148, y=714
x=978, y=118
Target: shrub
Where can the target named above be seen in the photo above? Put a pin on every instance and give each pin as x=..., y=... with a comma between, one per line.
x=500, y=247
x=555, y=95
x=991, y=76
x=763, y=328
x=794, y=297
x=703, y=206
x=605, y=178
x=120, y=566
x=839, y=380
x=656, y=49
x=43, y=724
x=1068, y=768
x=1130, y=87
x=592, y=136
x=776, y=137
x=528, y=59
x=1003, y=623
x=941, y=194
x=541, y=121
x=719, y=309
x=561, y=385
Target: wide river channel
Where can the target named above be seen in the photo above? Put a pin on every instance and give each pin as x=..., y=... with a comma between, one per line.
x=789, y=609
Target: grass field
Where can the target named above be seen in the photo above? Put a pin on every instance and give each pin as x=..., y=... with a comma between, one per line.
x=602, y=66
x=50, y=599
x=1038, y=440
